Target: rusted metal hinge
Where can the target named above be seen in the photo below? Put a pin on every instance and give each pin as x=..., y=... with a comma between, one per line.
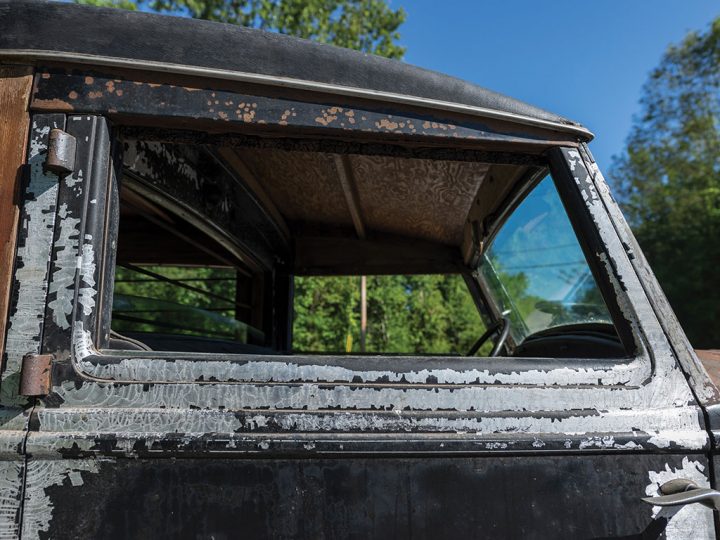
x=61, y=152
x=36, y=375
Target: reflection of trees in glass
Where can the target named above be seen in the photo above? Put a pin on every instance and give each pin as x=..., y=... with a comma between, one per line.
x=510, y=290
x=406, y=314
x=145, y=304
x=540, y=272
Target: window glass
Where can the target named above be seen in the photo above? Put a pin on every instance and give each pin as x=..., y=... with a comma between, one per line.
x=536, y=270
x=419, y=314
x=157, y=304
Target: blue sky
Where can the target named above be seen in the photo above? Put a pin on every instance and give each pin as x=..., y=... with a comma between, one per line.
x=584, y=60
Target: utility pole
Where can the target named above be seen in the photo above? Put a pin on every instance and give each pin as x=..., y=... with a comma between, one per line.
x=363, y=312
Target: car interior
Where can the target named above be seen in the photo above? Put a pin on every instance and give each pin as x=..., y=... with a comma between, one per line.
x=213, y=238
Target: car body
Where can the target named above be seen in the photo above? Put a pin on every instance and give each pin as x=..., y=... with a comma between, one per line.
x=131, y=141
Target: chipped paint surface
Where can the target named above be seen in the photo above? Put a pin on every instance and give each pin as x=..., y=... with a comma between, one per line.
x=65, y=264
x=33, y=251
x=701, y=382
x=10, y=495
x=43, y=474
x=162, y=404
x=690, y=521
x=583, y=407
x=57, y=89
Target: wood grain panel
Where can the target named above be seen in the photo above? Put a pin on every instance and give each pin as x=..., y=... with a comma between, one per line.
x=15, y=86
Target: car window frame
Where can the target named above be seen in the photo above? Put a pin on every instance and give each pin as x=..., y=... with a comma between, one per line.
x=91, y=362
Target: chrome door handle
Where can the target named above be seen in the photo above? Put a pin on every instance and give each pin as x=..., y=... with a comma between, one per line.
x=680, y=491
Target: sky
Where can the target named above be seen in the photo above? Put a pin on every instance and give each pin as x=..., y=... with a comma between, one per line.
x=585, y=60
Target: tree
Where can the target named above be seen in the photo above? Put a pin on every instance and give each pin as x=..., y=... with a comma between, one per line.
x=366, y=25
x=669, y=180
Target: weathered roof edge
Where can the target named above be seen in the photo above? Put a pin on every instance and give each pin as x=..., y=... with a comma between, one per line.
x=30, y=29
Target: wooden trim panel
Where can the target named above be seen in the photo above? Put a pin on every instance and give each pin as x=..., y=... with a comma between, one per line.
x=15, y=87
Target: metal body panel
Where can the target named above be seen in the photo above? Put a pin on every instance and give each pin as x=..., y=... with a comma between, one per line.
x=457, y=417
x=150, y=444
x=354, y=497
x=257, y=109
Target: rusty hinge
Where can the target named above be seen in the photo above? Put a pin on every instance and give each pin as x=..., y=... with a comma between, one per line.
x=61, y=152
x=36, y=375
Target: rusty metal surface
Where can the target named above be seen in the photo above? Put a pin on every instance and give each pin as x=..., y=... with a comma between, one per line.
x=710, y=359
x=61, y=152
x=639, y=414
x=254, y=109
x=36, y=375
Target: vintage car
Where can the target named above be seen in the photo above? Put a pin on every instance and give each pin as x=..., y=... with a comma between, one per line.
x=135, y=147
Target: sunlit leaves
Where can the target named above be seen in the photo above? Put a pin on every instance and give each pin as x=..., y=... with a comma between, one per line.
x=669, y=180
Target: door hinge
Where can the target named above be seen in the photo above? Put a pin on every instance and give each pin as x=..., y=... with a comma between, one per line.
x=36, y=375
x=61, y=152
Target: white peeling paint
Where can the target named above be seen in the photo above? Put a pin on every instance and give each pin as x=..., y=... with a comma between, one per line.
x=10, y=495
x=692, y=521
x=42, y=474
x=65, y=267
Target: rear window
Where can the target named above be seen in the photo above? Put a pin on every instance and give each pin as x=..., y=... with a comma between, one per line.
x=413, y=314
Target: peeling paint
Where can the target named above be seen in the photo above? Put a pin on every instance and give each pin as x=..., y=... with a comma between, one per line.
x=62, y=286
x=42, y=474
x=37, y=222
x=10, y=495
x=690, y=521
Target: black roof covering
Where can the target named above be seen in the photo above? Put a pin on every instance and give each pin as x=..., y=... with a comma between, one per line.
x=81, y=30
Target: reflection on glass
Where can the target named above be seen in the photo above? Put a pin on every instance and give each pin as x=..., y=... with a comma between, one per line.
x=536, y=270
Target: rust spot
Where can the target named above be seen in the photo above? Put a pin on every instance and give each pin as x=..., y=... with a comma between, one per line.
x=95, y=95
x=89, y=80
x=73, y=95
x=426, y=125
x=36, y=375
x=110, y=85
x=119, y=92
x=223, y=115
x=45, y=75
x=386, y=124
x=53, y=105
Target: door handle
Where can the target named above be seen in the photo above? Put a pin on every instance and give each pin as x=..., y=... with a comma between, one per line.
x=680, y=491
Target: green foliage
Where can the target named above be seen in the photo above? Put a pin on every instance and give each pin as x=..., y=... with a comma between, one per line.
x=365, y=25
x=669, y=180
x=429, y=314
x=143, y=303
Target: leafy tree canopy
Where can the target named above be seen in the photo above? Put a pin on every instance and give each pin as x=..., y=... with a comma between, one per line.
x=365, y=25
x=669, y=180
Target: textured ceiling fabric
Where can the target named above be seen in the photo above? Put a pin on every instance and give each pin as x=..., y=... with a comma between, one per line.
x=417, y=198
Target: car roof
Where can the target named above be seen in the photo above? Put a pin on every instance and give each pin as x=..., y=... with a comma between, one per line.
x=40, y=30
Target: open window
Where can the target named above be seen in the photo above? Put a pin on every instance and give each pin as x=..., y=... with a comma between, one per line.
x=263, y=250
